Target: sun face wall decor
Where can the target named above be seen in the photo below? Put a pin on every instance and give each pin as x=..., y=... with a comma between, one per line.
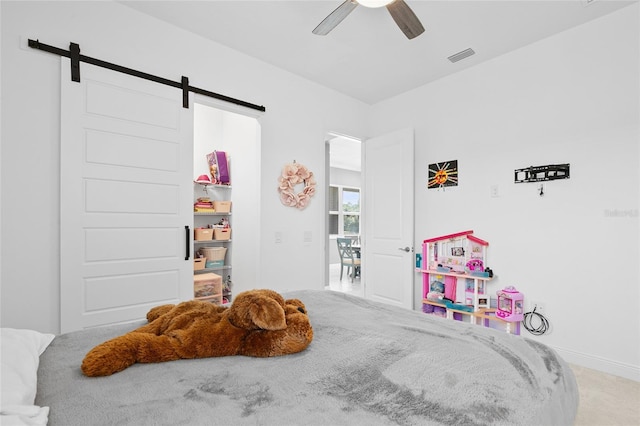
x=443, y=174
x=293, y=175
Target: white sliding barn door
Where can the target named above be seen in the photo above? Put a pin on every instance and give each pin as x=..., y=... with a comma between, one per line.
x=388, y=257
x=126, y=197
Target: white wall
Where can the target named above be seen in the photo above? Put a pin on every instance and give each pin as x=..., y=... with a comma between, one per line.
x=345, y=177
x=572, y=98
x=299, y=115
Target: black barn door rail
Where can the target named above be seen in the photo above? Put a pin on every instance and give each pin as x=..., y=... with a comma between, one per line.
x=74, y=54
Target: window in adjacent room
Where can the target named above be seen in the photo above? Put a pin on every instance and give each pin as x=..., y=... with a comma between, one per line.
x=344, y=210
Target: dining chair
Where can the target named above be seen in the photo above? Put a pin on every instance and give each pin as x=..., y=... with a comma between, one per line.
x=348, y=258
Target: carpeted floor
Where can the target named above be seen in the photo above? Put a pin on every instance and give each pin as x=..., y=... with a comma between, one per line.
x=606, y=400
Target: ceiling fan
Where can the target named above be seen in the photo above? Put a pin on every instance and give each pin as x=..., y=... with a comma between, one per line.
x=399, y=10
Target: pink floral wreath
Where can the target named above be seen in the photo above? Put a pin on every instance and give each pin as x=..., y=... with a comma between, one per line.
x=292, y=175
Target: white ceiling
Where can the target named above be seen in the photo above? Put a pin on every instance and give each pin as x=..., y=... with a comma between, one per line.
x=367, y=57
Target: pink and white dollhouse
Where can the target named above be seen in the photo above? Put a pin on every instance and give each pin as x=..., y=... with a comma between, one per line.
x=463, y=257
x=449, y=258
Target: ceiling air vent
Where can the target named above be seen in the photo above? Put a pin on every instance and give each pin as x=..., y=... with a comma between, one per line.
x=461, y=55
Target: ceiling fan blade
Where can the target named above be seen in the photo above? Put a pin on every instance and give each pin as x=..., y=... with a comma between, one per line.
x=335, y=17
x=405, y=18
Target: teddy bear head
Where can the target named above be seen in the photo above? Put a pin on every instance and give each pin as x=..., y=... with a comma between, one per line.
x=258, y=310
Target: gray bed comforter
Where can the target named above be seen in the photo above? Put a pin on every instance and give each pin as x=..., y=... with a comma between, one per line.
x=369, y=364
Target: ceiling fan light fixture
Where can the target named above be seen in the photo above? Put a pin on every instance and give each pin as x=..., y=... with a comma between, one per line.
x=374, y=3
x=401, y=13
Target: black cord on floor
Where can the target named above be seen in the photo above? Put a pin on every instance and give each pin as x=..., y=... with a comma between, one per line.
x=528, y=323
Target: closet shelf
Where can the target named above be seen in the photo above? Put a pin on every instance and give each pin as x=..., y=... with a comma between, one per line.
x=211, y=214
x=216, y=268
x=213, y=185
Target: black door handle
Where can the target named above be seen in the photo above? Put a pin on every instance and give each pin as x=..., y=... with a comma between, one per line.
x=187, y=242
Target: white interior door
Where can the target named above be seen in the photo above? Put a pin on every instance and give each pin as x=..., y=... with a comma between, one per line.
x=126, y=191
x=388, y=258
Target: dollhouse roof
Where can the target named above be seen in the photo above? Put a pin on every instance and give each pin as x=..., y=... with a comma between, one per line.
x=467, y=234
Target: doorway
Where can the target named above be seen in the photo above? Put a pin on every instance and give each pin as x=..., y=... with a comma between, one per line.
x=238, y=134
x=386, y=218
x=343, y=210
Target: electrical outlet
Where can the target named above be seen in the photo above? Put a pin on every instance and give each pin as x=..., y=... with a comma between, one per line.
x=495, y=191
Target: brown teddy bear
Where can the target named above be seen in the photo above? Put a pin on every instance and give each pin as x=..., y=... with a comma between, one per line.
x=259, y=323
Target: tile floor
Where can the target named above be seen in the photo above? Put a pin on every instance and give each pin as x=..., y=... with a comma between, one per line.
x=345, y=285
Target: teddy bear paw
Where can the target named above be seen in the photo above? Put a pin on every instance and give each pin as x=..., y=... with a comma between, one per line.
x=108, y=358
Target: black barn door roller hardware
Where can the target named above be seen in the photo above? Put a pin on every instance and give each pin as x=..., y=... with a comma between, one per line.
x=74, y=55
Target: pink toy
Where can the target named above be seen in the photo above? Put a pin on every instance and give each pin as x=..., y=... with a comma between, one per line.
x=475, y=265
x=510, y=304
x=452, y=257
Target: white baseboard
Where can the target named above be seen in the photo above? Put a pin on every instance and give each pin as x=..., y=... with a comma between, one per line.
x=628, y=371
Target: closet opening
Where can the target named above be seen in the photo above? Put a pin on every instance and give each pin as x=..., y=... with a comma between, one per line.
x=238, y=135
